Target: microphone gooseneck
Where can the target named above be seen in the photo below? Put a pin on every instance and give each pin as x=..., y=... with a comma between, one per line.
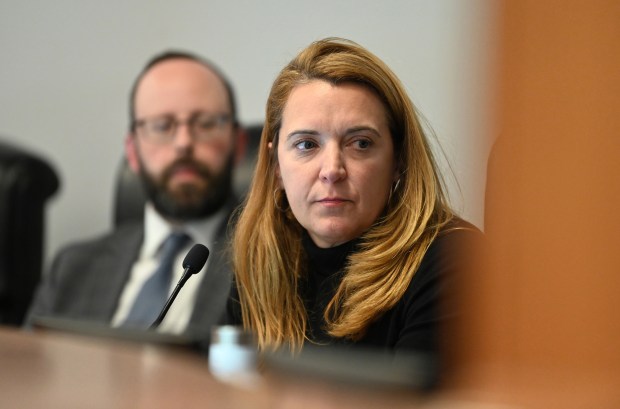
x=193, y=262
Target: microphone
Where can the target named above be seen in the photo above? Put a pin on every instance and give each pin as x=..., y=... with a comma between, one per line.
x=193, y=262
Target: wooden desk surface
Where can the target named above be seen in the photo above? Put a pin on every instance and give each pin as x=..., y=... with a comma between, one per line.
x=52, y=370
x=46, y=369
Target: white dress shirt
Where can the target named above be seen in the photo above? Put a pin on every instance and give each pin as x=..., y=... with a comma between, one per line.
x=156, y=229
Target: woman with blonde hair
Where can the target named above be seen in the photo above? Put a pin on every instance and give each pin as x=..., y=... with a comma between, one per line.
x=346, y=234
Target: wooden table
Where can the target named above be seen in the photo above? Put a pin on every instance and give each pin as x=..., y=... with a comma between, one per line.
x=51, y=369
x=48, y=369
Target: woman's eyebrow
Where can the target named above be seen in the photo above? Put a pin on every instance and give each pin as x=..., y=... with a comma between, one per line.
x=301, y=132
x=348, y=131
x=362, y=128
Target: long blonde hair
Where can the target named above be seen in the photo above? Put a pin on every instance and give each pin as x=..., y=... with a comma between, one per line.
x=267, y=253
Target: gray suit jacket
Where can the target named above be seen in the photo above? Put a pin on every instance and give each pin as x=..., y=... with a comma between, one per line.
x=86, y=280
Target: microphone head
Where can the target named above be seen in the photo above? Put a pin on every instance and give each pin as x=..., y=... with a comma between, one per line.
x=196, y=258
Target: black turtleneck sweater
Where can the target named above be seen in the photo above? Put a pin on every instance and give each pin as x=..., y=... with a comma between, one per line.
x=325, y=267
x=413, y=324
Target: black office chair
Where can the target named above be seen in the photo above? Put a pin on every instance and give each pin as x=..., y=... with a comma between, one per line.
x=245, y=167
x=129, y=196
x=26, y=183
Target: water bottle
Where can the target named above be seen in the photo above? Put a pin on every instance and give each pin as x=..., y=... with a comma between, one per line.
x=233, y=355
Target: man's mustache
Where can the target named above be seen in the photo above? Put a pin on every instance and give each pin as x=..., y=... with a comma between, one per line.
x=195, y=166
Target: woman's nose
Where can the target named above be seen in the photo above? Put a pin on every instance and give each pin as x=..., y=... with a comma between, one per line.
x=332, y=166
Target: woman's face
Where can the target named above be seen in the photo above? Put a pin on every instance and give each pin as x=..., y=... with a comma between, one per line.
x=336, y=159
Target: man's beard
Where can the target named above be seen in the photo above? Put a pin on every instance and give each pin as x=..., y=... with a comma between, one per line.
x=188, y=201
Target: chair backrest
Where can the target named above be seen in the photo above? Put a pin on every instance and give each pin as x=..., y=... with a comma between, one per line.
x=26, y=183
x=129, y=197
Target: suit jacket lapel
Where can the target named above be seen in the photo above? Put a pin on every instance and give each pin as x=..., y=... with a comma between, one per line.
x=113, y=269
x=215, y=285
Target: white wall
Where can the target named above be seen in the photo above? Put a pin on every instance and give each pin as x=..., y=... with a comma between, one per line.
x=67, y=66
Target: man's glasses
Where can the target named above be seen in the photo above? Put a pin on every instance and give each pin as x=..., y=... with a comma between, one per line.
x=202, y=127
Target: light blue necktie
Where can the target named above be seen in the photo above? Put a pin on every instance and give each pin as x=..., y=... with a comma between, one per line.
x=154, y=292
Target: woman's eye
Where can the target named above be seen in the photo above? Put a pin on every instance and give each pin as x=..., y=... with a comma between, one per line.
x=363, y=143
x=305, y=145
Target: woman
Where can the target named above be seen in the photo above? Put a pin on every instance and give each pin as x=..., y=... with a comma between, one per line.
x=343, y=235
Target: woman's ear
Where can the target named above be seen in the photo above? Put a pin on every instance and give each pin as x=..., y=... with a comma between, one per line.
x=279, y=177
x=277, y=168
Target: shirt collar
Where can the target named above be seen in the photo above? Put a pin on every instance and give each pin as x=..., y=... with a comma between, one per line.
x=156, y=229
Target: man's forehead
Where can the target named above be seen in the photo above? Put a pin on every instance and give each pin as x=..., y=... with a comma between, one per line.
x=181, y=84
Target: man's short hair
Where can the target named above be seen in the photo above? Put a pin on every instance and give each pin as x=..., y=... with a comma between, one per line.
x=183, y=55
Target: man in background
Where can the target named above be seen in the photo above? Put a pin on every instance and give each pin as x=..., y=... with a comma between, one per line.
x=182, y=142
